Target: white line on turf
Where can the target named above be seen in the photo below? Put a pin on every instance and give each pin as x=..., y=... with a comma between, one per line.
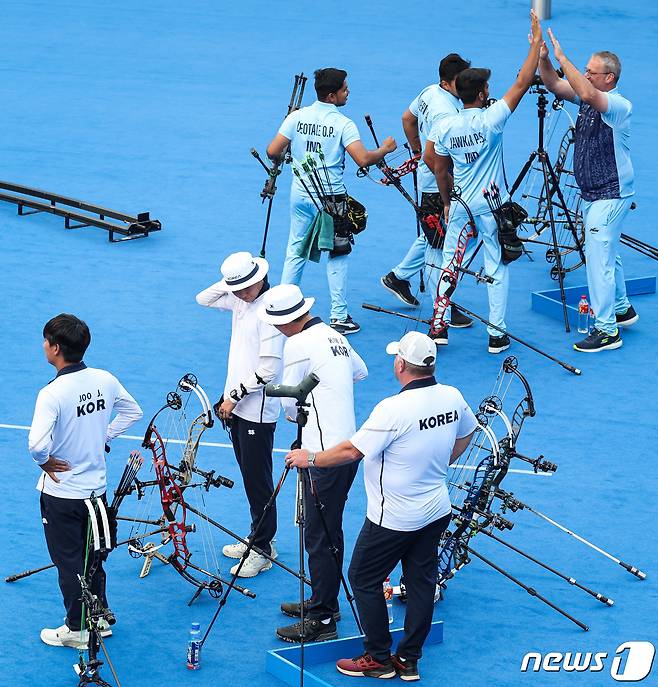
x=213, y=444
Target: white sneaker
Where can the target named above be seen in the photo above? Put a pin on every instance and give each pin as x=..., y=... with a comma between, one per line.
x=237, y=550
x=254, y=564
x=234, y=550
x=105, y=628
x=63, y=636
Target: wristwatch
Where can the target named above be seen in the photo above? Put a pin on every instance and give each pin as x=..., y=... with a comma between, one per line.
x=311, y=459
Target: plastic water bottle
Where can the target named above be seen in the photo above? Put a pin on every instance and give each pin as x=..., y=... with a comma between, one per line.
x=194, y=647
x=388, y=595
x=592, y=320
x=583, y=315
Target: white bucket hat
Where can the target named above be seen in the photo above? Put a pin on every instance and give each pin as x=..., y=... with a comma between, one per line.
x=284, y=303
x=414, y=347
x=241, y=270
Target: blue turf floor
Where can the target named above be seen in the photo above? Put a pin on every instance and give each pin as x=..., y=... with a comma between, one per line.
x=154, y=106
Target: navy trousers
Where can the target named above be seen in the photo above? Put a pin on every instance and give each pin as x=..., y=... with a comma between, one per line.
x=376, y=553
x=331, y=486
x=65, y=527
x=253, y=443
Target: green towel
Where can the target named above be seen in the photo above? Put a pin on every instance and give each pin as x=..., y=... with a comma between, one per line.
x=319, y=237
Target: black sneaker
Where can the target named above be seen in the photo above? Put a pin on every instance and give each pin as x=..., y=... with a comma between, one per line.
x=400, y=288
x=440, y=337
x=291, y=608
x=599, y=341
x=345, y=327
x=458, y=319
x=626, y=319
x=498, y=344
x=314, y=631
x=406, y=668
x=366, y=666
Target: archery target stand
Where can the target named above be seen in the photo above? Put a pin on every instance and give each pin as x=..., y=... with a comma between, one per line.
x=549, y=303
x=284, y=663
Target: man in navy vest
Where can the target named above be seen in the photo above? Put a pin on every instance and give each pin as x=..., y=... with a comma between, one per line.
x=604, y=173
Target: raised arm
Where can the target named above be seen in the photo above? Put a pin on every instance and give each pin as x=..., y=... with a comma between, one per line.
x=559, y=87
x=525, y=77
x=578, y=82
x=216, y=297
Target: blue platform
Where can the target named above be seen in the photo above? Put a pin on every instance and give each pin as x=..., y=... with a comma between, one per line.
x=549, y=302
x=284, y=663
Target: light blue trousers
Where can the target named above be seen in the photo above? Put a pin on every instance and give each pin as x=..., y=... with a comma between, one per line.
x=421, y=255
x=605, y=274
x=302, y=214
x=413, y=261
x=488, y=233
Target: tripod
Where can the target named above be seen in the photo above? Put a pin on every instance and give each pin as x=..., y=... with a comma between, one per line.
x=300, y=393
x=550, y=188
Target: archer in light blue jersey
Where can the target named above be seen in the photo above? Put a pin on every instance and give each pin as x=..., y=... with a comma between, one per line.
x=468, y=148
x=432, y=104
x=604, y=173
x=309, y=131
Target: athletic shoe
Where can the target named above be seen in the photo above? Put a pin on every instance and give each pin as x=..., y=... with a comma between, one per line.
x=498, y=344
x=234, y=550
x=237, y=550
x=458, y=319
x=626, y=319
x=599, y=341
x=104, y=628
x=291, y=608
x=406, y=668
x=346, y=326
x=314, y=631
x=400, y=288
x=63, y=636
x=366, y=666
x=254, y=564
x=439, y=337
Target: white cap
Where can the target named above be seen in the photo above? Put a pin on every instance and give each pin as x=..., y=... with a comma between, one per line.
x=241, y=270
x=284, y=303
x=415, y=348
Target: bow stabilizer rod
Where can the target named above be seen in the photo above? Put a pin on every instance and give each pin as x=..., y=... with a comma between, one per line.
x=531, y=590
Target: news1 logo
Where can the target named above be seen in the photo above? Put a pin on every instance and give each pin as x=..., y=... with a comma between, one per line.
x=632, y=661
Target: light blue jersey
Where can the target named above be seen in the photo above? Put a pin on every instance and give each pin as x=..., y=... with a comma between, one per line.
x=473, y=138
x=602, y=157
x=431, y=106
x=320, y=127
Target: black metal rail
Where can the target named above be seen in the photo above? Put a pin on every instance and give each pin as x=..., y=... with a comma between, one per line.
x=127, y=226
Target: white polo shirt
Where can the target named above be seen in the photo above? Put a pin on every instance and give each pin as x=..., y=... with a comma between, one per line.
x=407, y=442
x=320, y=126
x=254, y=356
x=72, y=422
x=320, y=349
x=430, y=106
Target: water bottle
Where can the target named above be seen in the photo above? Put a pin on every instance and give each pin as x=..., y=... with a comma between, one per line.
x=583, y=315
x=194, y=647
x=592, y=320
x=388, y=595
